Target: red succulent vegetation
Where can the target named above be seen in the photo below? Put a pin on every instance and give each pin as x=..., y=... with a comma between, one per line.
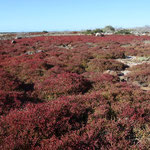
x=62, y=84
x=55, y=94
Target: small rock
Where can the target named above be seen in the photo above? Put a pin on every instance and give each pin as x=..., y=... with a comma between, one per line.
x=13, y=42
x=120, y=74
x=99, y=34
x=39, y=51
x=18, y=37
x=29, y=53
x=111, y=72
x=123, y=78
x=125, y=72
x=130, y=57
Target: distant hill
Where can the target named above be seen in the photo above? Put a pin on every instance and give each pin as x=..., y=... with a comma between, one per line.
x=143, y=29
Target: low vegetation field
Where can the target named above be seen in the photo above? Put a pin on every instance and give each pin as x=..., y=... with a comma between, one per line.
x=75, y=93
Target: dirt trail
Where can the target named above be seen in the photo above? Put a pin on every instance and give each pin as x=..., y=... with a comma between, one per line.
x=133, y=61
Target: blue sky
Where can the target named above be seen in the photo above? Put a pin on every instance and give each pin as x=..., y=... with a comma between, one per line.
x=57, y=15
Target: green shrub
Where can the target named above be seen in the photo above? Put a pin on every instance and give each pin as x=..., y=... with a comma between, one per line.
x=109, y=29
x=123, y=31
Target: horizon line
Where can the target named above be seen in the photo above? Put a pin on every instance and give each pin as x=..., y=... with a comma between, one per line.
x=71, y=30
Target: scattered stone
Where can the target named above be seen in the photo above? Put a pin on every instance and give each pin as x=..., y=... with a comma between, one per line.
x=120, y=74
x=29, y=53
x=39, y=51
x=13, y=42
x=99, y=34
x=125, y=72
x=123, y=78
x=111, y=72
x=67, y=46
x=130, y=57
x=18, y=37
x=32, y=52
x=133, y=60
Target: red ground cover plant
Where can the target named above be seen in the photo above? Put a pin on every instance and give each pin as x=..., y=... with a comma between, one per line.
x=9, y=101
x=100, y=65
x=62, y=84
x=27, y=128
x=109, y=53
x=55, y=94
x=63, y=124
x=100, y=80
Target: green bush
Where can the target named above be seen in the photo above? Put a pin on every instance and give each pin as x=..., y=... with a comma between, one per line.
x=123, y=31
x=98, y=30
x=109, y=29
x=45, y=31
x=88, y=31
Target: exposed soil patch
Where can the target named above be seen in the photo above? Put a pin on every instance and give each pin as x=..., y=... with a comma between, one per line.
x=134, y=61
x=67, y=46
